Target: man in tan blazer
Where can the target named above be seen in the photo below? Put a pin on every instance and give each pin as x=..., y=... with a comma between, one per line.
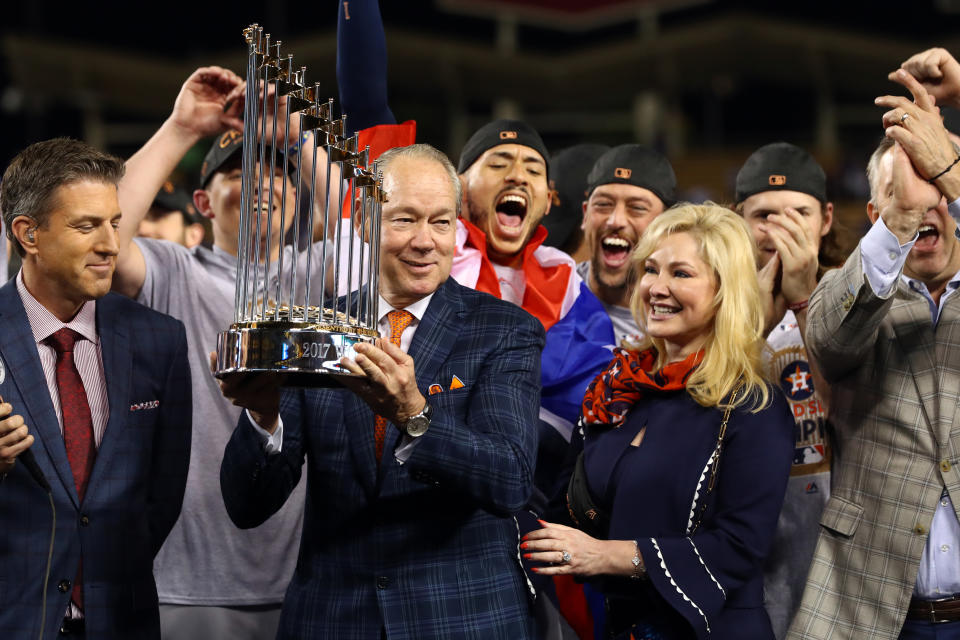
x=885, y=330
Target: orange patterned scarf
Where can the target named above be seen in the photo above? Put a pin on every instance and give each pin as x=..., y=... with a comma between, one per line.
x=614, y=392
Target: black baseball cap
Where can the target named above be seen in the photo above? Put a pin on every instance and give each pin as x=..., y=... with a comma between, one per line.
x=500, y=132
x=174, y=197
x=781, y=166
x=224, y=149
x=638, y=165
x=569, y=168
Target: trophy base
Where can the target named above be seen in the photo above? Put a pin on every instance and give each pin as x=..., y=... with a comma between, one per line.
x=305, y=355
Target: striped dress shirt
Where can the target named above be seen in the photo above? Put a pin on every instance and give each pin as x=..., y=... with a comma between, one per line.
x=86, y=355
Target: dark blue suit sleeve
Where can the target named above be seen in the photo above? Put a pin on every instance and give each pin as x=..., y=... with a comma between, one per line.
x=490, y=455
x=362, y=65
x=171, y=445
x=695, y=573
x=255, y=485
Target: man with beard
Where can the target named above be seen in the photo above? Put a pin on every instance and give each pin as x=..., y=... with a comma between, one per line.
x=781, y=192
x=884, y=331
x=627, y=188
x=504, y=169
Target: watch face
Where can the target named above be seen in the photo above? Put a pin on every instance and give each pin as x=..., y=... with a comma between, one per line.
x=417, y=426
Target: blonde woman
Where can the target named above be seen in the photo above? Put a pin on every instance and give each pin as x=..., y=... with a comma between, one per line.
x=686, y=448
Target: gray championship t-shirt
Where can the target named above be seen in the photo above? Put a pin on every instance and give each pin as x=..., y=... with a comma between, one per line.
x=785, y=570
x=206, y=559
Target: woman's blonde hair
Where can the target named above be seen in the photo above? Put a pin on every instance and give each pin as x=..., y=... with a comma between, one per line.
x=734, y=346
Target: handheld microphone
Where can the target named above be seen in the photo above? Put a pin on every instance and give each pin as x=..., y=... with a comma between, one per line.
x=30, y=464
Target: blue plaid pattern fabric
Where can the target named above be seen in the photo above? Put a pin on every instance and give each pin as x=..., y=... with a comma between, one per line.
x=135, y=489
x=426, y=549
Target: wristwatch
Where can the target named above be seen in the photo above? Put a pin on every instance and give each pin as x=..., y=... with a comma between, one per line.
x=417, y=425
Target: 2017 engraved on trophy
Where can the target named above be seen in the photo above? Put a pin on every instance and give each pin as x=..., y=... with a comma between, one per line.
x=295, y=312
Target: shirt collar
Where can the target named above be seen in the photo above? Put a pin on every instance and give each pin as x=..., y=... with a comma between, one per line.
x=920, y=287
x=43, y=323
x=418, y=308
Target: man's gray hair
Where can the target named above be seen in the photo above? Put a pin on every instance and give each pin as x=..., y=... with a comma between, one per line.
x=422, y=151
x=873, y=166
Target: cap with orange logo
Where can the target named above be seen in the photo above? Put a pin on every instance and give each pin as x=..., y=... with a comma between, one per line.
x=223, y=151
x=500, y=132
x=638, y=165
x=781, y=166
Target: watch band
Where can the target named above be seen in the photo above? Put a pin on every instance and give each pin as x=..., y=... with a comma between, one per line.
x=416, y=425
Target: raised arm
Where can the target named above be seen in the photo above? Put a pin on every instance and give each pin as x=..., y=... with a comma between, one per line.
x=362, y=64
x=197, y=113
x=849, y=304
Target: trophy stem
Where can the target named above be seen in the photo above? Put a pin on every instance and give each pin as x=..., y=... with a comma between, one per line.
x=310, y=218
x=248, y=118
x=258, y=181
x=363, y=301
x=326, y=231
x=353, y=183
x=268, y=248
x=375, y=249
x=283, y=201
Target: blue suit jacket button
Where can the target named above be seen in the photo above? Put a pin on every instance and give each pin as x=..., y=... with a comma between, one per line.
x=64, y=586
x=383, y=582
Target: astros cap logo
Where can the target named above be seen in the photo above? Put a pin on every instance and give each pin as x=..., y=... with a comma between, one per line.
x=229, y=138
x=620, y=172
x=508, y=135
x=776, y=180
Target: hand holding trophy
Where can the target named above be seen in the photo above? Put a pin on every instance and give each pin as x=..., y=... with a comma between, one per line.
x=299, y=330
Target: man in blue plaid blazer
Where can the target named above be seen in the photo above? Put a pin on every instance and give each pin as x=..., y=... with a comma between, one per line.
x=132, y=363
x=419, y=543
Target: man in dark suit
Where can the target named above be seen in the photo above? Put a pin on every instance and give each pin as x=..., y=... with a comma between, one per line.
x=408, y=531
x=96, y=387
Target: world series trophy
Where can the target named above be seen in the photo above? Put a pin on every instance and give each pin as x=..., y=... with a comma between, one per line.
x=299, y=329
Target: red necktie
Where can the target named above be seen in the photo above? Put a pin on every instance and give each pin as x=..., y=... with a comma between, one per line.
x=399, y=320
x=77, y=422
